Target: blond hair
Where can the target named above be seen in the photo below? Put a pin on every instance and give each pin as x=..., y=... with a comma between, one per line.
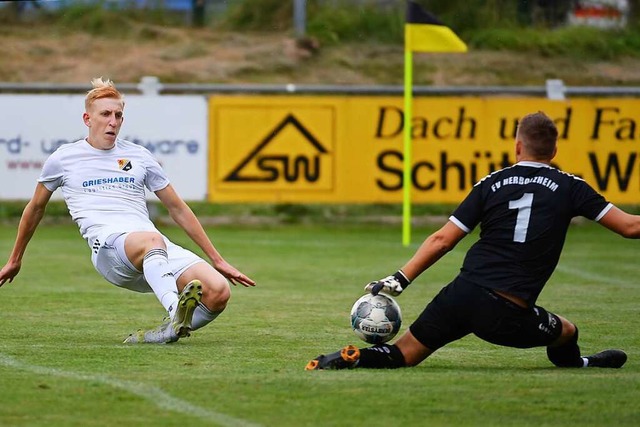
x=102, y=89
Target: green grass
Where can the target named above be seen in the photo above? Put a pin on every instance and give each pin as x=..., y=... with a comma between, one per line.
x=62, y=362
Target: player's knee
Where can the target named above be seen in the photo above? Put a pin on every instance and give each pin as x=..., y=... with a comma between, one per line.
x=569, y=331
x=216, y=294
x=151, y=240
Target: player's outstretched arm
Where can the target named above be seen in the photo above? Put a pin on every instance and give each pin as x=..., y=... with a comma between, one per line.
x=431, y=250
x=31, y=216
x=621, y=222
x=182, y=214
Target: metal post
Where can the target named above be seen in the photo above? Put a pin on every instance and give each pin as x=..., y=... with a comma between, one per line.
x=150, y=86
x=300, y=17
x=197, y=12
x=556, y=89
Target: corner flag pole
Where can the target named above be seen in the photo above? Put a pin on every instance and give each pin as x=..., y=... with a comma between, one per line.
x=406, y=170
x=423, y=32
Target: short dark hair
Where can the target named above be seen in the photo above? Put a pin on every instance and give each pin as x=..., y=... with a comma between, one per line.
x=539, y=135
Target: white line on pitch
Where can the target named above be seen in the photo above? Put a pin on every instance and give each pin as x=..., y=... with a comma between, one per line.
x=155, y=395
x=591, y=276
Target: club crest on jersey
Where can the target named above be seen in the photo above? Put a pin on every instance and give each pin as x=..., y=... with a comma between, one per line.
x=124, y=164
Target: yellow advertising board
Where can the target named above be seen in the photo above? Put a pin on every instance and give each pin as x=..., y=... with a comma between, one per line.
x=348, y=149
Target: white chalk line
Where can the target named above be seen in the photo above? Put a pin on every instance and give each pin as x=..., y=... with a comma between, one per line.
x=594, y=277
x=154, y=395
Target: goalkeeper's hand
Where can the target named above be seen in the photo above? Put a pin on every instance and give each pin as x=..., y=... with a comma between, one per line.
x=391, y=285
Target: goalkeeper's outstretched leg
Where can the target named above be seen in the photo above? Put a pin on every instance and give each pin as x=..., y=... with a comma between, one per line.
x=407, y=351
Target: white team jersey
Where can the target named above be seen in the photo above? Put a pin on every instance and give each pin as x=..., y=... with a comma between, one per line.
x=104, y=189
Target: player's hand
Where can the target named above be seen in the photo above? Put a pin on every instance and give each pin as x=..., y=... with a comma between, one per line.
x=391, y=285
x=8, y=272
x=233, y=275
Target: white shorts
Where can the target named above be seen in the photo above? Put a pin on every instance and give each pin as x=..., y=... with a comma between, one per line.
x=112, y=263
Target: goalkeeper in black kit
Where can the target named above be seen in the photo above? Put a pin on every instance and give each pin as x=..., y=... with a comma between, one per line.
x=524, y=212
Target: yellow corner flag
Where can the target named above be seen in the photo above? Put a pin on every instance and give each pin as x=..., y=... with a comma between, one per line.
x=423, y=32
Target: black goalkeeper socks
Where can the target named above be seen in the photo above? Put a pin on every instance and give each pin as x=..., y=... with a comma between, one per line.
x=382, y=356
x=566, y=355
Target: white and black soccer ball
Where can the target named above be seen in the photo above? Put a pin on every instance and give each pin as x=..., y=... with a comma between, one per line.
x=376, y=318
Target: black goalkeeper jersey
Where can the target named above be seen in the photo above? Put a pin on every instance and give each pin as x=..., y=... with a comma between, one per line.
x=524, y=212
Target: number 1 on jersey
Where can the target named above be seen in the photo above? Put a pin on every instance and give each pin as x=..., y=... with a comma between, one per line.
x=523, y=205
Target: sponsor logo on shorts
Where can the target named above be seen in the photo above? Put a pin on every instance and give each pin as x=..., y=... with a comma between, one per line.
x=550, y=327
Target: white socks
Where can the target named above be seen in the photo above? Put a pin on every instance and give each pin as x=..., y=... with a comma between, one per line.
x=159, y=276
x=202, y=316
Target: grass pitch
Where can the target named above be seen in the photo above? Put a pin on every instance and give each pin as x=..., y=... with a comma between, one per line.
x=62, y=362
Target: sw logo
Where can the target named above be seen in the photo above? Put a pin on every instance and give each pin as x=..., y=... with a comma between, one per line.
x=290, y=156
x=124, y=164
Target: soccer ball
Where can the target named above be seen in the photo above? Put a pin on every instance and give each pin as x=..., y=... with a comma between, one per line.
x=376, y=318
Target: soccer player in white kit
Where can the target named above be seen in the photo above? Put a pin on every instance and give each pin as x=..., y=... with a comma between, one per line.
x=103, y=180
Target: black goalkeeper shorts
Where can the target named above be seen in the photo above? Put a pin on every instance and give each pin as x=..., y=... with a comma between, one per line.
x=462, y=308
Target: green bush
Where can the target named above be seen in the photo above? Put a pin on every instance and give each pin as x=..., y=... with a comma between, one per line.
x=329, y=22
x=575, y=42
x=351, y=23
x=100, y=18
x=470, y=15
x=93, y=19
x=259, y=15
x=483, y=24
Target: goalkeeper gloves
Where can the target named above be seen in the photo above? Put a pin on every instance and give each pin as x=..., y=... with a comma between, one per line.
x=392, y=285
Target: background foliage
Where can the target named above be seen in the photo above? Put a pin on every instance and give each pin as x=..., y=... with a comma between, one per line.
x=522, y=25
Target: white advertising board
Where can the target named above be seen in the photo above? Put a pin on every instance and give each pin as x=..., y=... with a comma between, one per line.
x=173, y=128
